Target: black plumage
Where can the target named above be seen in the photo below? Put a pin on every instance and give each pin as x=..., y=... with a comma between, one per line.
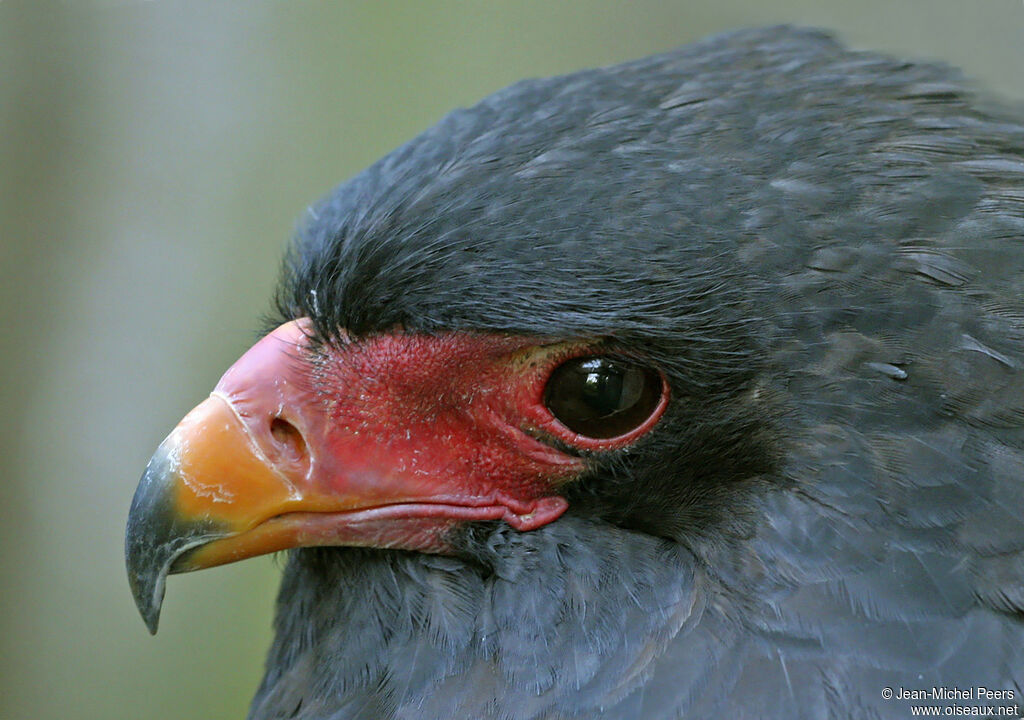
x=824, y=252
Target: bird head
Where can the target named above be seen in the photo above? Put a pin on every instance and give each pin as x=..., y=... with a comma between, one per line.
x=519, y=314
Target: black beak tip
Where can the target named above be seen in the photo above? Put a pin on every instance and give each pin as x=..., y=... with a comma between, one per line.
x=157, y=536
x=148, y=591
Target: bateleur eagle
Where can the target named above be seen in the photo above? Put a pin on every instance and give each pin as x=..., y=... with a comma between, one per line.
x=691, y=387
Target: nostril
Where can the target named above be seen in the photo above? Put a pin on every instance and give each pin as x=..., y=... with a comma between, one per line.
x=288, y=438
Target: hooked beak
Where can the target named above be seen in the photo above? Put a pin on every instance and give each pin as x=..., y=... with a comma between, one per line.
x=235, y=461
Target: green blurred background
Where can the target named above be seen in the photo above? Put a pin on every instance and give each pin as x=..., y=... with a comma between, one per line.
x=153, y=159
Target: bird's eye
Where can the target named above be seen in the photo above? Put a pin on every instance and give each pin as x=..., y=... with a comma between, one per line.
x=601, y=397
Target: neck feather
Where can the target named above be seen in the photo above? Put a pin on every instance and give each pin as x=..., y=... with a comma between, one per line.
x=557, y=621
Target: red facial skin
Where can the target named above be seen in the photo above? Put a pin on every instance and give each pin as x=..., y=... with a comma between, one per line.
x=444, y=417
x=381, y=441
